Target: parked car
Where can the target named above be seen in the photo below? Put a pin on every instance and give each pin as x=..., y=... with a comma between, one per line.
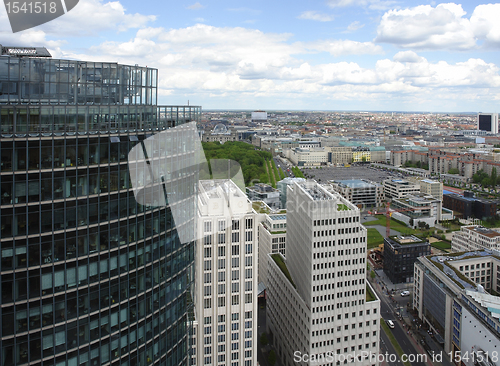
x=405, y=293
x=390, y=323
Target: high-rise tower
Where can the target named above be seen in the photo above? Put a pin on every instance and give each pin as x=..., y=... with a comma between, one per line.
x=320, y=310
x=88, y=275
x=226, y=276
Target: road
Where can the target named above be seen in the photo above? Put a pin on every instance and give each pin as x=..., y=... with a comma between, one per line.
x=387, y=349
x=387, y=310
x=280, y=164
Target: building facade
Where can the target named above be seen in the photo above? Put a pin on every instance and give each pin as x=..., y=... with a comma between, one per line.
x=487, y=122
x=453, y=296
x=266, y=193
x=469, y=206
x=360, y=192
x=318, y=302
x=226, y=276
x=400, y=253
x=88, y=275
x=431, y=187
x=272, y=240
x=399, y=188
x=475, y=237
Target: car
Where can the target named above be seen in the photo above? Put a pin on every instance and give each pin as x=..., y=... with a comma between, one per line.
x=390, y=323
x=405, y=293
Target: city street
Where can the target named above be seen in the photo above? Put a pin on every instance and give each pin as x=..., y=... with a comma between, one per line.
x=388, y=311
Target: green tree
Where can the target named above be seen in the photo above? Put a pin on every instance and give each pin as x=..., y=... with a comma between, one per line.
x=372, y=275
x=271, y=358
x=263, y=339
x=453, y=171
x=493, y=178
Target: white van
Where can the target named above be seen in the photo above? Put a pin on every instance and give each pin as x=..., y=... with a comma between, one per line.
x=405, y=293
x=390, y=323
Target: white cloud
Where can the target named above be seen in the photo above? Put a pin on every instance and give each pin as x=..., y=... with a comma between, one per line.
x=407, y=56
x=485, y=23
x=195, y=6
x=354, y=26
x=345, y=47
x=425, y=27
x=89, y=17
x=314, y=15
x=371, y=4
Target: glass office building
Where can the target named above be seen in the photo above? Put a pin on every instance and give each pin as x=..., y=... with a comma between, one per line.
x=88, y=275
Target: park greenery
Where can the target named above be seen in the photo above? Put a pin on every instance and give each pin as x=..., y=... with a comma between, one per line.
x=481, y=177
x=418, y=164
x=297, y=172
x=252, y=161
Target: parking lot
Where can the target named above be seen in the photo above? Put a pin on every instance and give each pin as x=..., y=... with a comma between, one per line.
x=325, y=174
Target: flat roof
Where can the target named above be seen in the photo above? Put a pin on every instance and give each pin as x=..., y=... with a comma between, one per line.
x=355, y=183
x=483, y=231
x=277, y=217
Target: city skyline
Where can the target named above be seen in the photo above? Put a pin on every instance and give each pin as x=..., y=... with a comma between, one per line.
x=325, y=55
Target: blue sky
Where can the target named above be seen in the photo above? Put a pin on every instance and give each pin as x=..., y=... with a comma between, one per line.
x=275, y=55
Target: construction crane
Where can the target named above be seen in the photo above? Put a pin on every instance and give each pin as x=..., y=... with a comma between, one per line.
x=388, y=214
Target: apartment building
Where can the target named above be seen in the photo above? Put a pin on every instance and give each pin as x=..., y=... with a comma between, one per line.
x=475, y=237
x=225, y=276
x=399, y=188
x=319, y=305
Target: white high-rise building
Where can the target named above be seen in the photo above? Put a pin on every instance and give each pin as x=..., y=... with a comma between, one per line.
x=320, y=309
x=226, y=276
x=487, y=122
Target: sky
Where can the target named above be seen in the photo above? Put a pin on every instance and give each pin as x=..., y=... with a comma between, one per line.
x=376, y=55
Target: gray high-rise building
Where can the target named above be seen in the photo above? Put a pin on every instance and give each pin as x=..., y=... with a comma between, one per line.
x=88, y=275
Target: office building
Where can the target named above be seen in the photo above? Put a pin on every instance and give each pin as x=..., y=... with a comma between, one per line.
x=400, y=253
x=271, y=239
x=302, y=156
x=419, y=209
x=88, y=275
x=282, y=187
x=226, y=276
x=399, y=188
x=360, y=192
x=318, y=303
x=265, y=193
x=456, y=297
x=259, y=116
x=469, y=206
x=475, y=237
x=487, y=122
x=431, y=187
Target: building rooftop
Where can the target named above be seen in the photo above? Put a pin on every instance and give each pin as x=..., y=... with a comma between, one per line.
x=316, y=192
x=355, y=183
x=483, y=231
x=277, y=217
x=441, y=262
x=430, y=181
x=408, y=239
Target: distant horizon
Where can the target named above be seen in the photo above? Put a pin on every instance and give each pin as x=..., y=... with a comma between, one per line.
x=333, y=110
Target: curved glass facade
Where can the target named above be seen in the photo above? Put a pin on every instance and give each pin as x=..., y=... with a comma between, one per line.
x=88, y=275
